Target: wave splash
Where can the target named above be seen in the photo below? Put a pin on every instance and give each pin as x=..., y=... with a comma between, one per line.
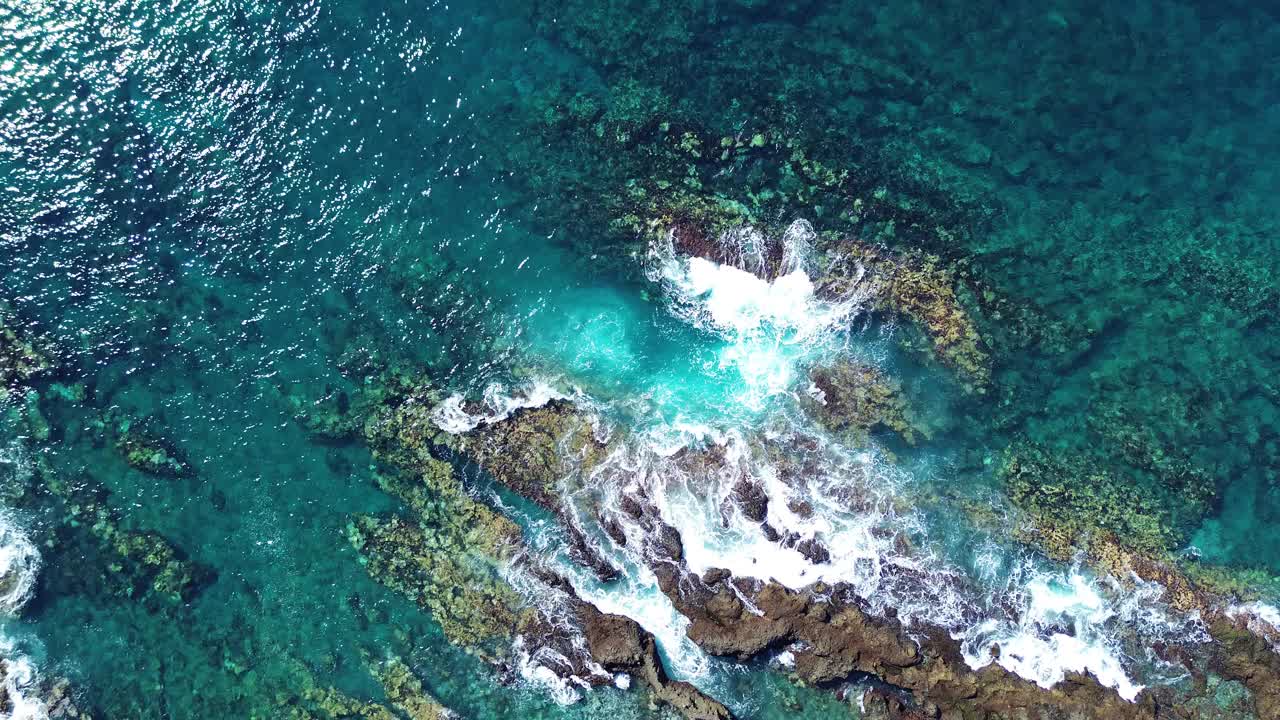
x=772, y=496
x=19, y=567
x=768, y=315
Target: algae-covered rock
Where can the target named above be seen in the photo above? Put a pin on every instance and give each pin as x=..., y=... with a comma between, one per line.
x=404, y=691
x=142, y=447
x=1240, y=654
x=139, y=565
x=1069, y=497
x=460, y=587
x=152, y=454
x=536, y=448
x=858, y=399
x=375, y=384
x=919, y=287
x=21, y=358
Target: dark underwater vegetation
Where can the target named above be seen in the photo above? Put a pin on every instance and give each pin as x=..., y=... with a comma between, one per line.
x=410, y=359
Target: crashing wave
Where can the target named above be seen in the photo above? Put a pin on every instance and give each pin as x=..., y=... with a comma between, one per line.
x=21, y=686
x=1261, y=618
x=1069, y=621
x=775, y=498
x=453, y=416
x=19, y=564
x=772, y=323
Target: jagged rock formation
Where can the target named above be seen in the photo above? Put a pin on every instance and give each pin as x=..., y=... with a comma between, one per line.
x=451, y=554
x=832, y=637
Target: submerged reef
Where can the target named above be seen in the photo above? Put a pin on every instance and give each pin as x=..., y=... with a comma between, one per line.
x=406, y=698
x=920, y=288
x=448, y=558
x=133, y=565
x=21, y=360
x=146, y=451
x=858, y=399
x=1069, y=496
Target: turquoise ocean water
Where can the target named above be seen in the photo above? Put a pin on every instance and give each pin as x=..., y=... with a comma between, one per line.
x=205, y=207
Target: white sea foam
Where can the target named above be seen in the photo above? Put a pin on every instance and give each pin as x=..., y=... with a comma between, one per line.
x=1071, y=621
x=771, y=325
x=1261, y=618
x=535, y=667
x=497, y=405
x=19, y=565
x=21, y=684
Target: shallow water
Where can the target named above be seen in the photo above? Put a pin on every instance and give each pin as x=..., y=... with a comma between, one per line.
x=207, y=206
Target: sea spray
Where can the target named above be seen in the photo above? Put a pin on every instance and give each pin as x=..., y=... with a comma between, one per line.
x=19, y=565
x=771, y=325
x=831, y=512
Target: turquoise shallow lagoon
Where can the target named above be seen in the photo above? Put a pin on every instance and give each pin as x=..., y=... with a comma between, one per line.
x=218, y=219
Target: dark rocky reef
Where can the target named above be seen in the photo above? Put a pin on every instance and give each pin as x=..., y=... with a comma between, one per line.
x=858, y=399
x=21, y=358
x=833, y=637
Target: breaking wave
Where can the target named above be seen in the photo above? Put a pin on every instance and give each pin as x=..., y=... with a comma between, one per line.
x=19, y=568
x=772, y=496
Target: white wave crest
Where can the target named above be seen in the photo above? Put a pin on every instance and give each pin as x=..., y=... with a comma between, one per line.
x=496, y=406
x=21, y=686
x=1261, y=618
x=535, y=667
x=19, y=566
x=771, y=324
x=1070, y=621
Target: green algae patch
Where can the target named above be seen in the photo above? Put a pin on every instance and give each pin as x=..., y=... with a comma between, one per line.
x=405, y=691
x=22, y=359
x=301, y=697
x=858, y=399
x=448, y=558
x=1068, y=497
x=142, y=446
x=137, y=565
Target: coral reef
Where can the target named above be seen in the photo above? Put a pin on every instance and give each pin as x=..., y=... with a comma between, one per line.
x=1070, y=497
x=137, y=565
x=858, y=399
x=918, y=287
x=21, y=359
